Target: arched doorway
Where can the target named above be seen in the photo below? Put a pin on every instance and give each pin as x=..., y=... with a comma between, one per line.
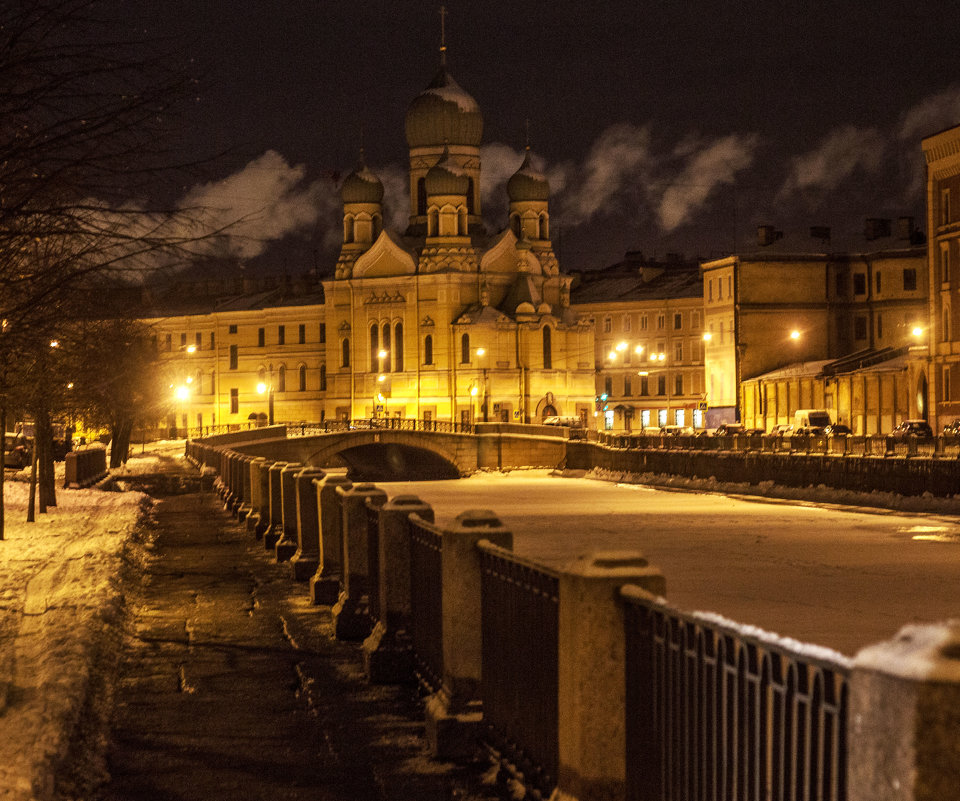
x=548, y=411
x=922, y=396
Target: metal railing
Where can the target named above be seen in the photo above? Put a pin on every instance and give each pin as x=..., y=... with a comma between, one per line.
x=373, y=560
x=715, y=713
x=426, y=601
x=519, y=663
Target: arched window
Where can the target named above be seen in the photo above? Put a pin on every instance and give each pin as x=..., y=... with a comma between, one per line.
x=345, y=352
x=302, y=375
x=323, y=378
x=262, y=374
x=212, y=384
x=421, y=196
x=374, y=348
x=428, y=349
x=515, y=225
x=462, y=221
x=470, y=202
x=465, y=349
x=544, y=226
x=547, y=349
x=347, y=230
x=385, y=339
x=398, y=347
x=282, y=379
x=433, y=223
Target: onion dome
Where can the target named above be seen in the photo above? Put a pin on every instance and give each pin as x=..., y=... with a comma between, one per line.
x=444, y=113
x=446, y=178
x=361, y=186
x=528, y=184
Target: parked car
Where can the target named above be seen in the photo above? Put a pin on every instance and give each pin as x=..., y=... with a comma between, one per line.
x=675, y=431
x=837, y=430
x=912, y=428
x=952, y=428
x=729, y=429
x=781, y=430
x=17, y=454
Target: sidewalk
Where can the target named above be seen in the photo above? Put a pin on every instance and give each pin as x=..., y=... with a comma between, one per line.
x=232, y=686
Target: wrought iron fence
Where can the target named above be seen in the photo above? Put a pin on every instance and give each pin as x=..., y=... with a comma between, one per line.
x=373, y=560
x=718, y=714
x=426, y=601
x=519, y=663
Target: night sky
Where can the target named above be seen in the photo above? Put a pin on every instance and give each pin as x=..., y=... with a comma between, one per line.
x=663, y=126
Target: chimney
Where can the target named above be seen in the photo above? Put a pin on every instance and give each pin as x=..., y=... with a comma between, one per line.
x=767, y=235
x=876, y=227
x=905, y=228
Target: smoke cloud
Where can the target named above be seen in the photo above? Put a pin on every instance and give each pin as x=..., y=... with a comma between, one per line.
x=265, y=201
x=839, y=155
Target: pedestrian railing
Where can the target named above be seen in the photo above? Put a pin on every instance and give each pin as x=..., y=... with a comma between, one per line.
x=716, y=712
x=520, y=634
x=426, y=606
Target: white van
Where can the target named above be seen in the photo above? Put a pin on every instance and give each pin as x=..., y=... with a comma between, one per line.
x=811, y=418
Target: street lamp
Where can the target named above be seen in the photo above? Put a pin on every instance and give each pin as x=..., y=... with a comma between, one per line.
x=481, y=352
x=265, y=388
x=380, y=396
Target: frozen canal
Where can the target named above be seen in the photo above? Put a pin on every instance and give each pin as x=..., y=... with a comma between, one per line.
x=817, y=573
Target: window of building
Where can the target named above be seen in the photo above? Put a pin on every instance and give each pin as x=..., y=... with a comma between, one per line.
x=608, y=386
x=719, y=289
x=323, y=378
x=282, y=379
x=945, y=317
x=302, y=378
x=547, y=349
x=421, y=196
x=261, y=337
x=626, y=323
x=198, y=340
x=234, y=357
x=323, y=333
x=677, y=321
x=661, y=385
x=945, y=263
x=428, y=349
x=879, y=326
x=944, y=207
x=860, y=327
x=878, y=282
x=661, y=322
x=678, y=384
x=302, y=334
x=859, y=284
x=643, y=322
x=183, y=340
x=607, y=325
x=710, y=290
x=729, y=286
x=644, y=385
x=281, y=335
x=345, y=352
x=945, y=393
x=213, y=340
x=232, y=329
x=627, y=389
x=375, y=361
x=678, y=351
x=465, y=349
x=398, y=347
x=234, y=400
x=909, y=280
x=168, y=343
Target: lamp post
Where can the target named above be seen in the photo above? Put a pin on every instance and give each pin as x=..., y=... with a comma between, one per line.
x=380, y=397
x=267, y=389
x=481, y=352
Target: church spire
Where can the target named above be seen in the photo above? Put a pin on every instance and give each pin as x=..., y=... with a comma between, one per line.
x=443, y=36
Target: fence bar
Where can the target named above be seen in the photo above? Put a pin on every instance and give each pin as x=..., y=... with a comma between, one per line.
x=325, y=583
x=716, y=712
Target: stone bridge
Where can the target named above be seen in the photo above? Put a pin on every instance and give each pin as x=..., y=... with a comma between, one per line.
x=387, y=454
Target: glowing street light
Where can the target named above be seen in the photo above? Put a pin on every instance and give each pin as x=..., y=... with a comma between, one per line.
x=621, y=346
x=638, y=350
x=707, y=336
x=54, y=343
x=917, y=331
x=182, y=393
x=794, y=335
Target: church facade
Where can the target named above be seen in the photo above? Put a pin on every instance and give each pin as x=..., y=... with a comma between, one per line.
x=441, y=321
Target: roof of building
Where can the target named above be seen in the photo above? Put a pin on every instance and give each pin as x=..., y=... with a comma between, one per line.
x=361, y=186
x=527, y=183
x=864, y=361
x=637, y=278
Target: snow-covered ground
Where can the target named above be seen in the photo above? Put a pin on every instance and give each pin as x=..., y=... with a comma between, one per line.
x=60, y=614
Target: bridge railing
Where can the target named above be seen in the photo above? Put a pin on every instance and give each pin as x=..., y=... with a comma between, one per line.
x=652, y=703
x=713, y=711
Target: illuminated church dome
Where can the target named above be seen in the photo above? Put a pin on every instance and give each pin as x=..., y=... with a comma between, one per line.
x=444, y=113
x=361, y=186
x=527, y=183
x=446, y=178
